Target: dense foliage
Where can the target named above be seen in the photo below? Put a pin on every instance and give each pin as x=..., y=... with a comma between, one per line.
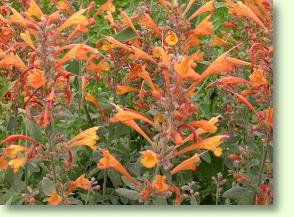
x=136, y=102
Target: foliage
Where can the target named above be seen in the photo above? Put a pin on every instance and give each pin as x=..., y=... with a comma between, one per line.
x=136, y=102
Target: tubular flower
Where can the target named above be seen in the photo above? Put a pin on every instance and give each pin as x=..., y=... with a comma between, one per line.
x=222, y=64
x=15, y=137
x=127, y=118
x=189, y=5
x=207, y=126
x=208, y=7
x=127, y=21
x=91, y=99
x=27, y=39
x=16, y=163
x=80, y=182
x=54, y=199
x=257, y=78
x=116, y=44
x=146, y=21
x=75, y=19
x=185, y=71
x=107, y=6
x=217, y=41
x=230, y=80
x=205, y=27
x=148, y=159
x=188, y=164
x=142, y=55
x=211, y=143
x=85, y=138
x=109, y=161
x=121, y=89
x=77, y=51
x=64, y=6
x=159, y=184
x=239, y=9
x=3, y=163
x=34, y=10
x=160, y=52
x=12, y=60
x=12, y=150
x=17, y=18
x=171, y=39
x=36, y=78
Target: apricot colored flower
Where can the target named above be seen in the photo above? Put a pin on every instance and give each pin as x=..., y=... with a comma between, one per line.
x=12, y=150
x=126, y=20
x=91, y=99
x=142, y=55
x=211, y=143
x=64, y=6
x=171, y=39
x=222, y=64
x=146, y=21
x=116, y=44
x=85, y=138
x=190, y=42
x=34, y=10
x=128, y=117
x=159, y=184
x=205, y=27
x=76, y=51
x=107, y=6
x=217, y=41
x=208, y=7
x=231, y=80
x=257, y=78
x=16, y=163
x=240, y=9
x=109, y=161
x=36, y=78
x=188, y=164
x=3, y=163
x=54, y=199
x=162, y=54
x=185, y=71
x=121, y=89
x=189, y=5
x=208, y=126
x=80, y=182
x=17, y=18
x=148, y=159
x=75, y=19
x=12, y=60
x=27, y=39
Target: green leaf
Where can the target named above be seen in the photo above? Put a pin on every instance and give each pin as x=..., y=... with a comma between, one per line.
x=34, y=131
x=129, y=194
x=12, y=124
x=206, y=157
x=237, y=192
x=47, y=186
x=125, y=35
x=128, y=183
x=114, y=177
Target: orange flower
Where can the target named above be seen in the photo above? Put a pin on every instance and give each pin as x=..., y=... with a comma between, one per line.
x=3, y=163
x=257, y=78
x=171, y=39
x=128, y=117
x=64, y=6
x=211, y=143
x=75, y=19
x=80, y=182
x=148, y=159
x=188, y=164
x=12, y=60
x=185, y=71
x=159, y=184
x=190, y=42
x=16, y=163
x=269, y=116
x=189, y=5
x=76, y=51
x=239, y=9
x=107, y=6
x=34, y=10
x=142, y=55
x=208, y=7
x=146, y=21
x=230, y=80
x=121, y=89
x=17, y=18
x=109, y=161
x=27, y=39
x=54, y=199
x=91, y=99
x=126, y=20
x=12, y=150
x=205, y=27
x=36, y=78
x=162, y=54
x=222, y=64
x=217, y=41
x=208, y=126
x=116, y=44
x=85, y=138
